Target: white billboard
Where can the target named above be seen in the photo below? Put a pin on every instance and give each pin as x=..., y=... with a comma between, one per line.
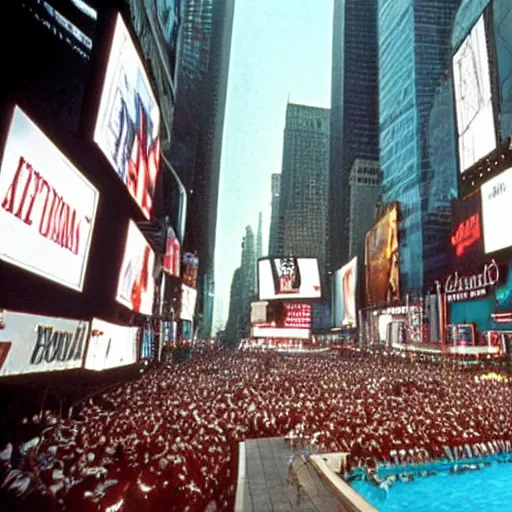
x=188, y=302
x=496, y=211
x=33, y=344
x=136, y=286
x=111, y=346
x=289, y=278
x=128, y=123
x=273, y=332
x=346, y=285
x=473, y=98
x=47, y=207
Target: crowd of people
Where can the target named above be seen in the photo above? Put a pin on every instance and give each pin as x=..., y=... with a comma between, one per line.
x=169, y=440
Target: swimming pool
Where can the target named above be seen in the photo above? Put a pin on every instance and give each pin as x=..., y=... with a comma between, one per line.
x=488, y=489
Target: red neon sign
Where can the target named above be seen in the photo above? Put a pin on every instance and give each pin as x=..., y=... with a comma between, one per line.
x=467, y=233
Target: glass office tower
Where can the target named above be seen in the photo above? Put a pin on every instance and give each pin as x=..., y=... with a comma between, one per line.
x=414, y=53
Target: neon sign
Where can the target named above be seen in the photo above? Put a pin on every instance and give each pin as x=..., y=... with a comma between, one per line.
x=468, y=232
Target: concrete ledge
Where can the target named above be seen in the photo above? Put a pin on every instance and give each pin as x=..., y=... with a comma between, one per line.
x=240, y=485
x=352, y=500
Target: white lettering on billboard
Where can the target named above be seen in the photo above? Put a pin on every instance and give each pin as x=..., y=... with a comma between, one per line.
x=47, y=208
x=33, y=344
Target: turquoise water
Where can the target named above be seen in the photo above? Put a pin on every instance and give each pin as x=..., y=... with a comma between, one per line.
x=489, y=490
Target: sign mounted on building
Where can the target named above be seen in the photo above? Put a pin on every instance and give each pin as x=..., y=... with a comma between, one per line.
x=33, y=344
x=474, y=286
x=497, y=209
x=47, y=208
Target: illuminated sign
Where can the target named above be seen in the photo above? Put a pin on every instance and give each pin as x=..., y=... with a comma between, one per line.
x=459, y=288
x=172, y=256
x=271, y=332
x=188, y=303
x=497, y=209
x=467, y=234
x=297, y=316
x=47, y=207
x=346, y=283
x=289, y=278
x=136, y=286
x=32, y=343
x=128, y=122
x=190, y=267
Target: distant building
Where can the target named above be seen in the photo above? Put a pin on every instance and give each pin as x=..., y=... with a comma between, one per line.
x=364, y=193
x=232, y=332
x=354, y=112
x=259, y=237
x=304, y=183
x=414, y=52
x=274, y=219
x=198, y=128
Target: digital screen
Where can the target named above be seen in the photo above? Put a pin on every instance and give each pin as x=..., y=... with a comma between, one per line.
x=136, y=285
x=473, y=98
x=128, y=123
x=148, y=347
x=188, y=302
x=32, y=343
x=190, y=267
x=466, y=240
x=172, y=257
x=111, y=346
x=382, y=259
x=289, y=278
x=281, y=315
x=496, y=211
x=346, y=284
x=47, y=207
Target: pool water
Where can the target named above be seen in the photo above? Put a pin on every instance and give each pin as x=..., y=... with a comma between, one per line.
x=489, y=490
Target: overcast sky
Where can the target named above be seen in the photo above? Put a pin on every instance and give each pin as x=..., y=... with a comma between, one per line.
x=280, y=49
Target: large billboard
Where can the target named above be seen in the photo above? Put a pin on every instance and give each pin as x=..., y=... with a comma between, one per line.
x=190, y=268
x=32, y=343
x=128, y=122
x=497, y=210
x=172, y=257
x=47, y=207
x=111, y=346
x=346, y=285
x=288, y=278
x=473, y=98
x=382, y=259
x=136, y=284
x=188, y=302
x=466, y=240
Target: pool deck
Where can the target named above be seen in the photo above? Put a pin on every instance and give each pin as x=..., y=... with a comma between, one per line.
x=263, y=480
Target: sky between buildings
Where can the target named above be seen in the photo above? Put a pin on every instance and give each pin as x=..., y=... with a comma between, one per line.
x=280, y=49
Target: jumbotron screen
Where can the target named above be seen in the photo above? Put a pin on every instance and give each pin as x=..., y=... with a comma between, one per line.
x=288, y=278
x=281, y=319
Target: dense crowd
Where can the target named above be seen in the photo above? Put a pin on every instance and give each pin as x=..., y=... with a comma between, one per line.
x=169, y=440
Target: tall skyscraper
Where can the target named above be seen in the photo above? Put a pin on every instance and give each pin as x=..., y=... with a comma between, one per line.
x=414, y=51
x=259, y=237
x=304, y=184
x=354, y=112
x=243, y=288
x=198, y=128
x=364, y=192
x=274, y=218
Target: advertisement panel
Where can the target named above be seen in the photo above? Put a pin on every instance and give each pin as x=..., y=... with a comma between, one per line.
x=347, y=285
x=111, y=346
x=294, y=315
x=136, y=286
x=473, y=98
x=172, y=256
x=32, y=343
x=190, y=267
x=382, y=259
x=128, y=122
x=259, y=312
x=188, y=303
x=466, y=240
x=496, y=209
x=288, y=278
x=47, y=208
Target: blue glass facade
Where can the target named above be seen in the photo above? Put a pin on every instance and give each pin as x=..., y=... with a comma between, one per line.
x=414, y=51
